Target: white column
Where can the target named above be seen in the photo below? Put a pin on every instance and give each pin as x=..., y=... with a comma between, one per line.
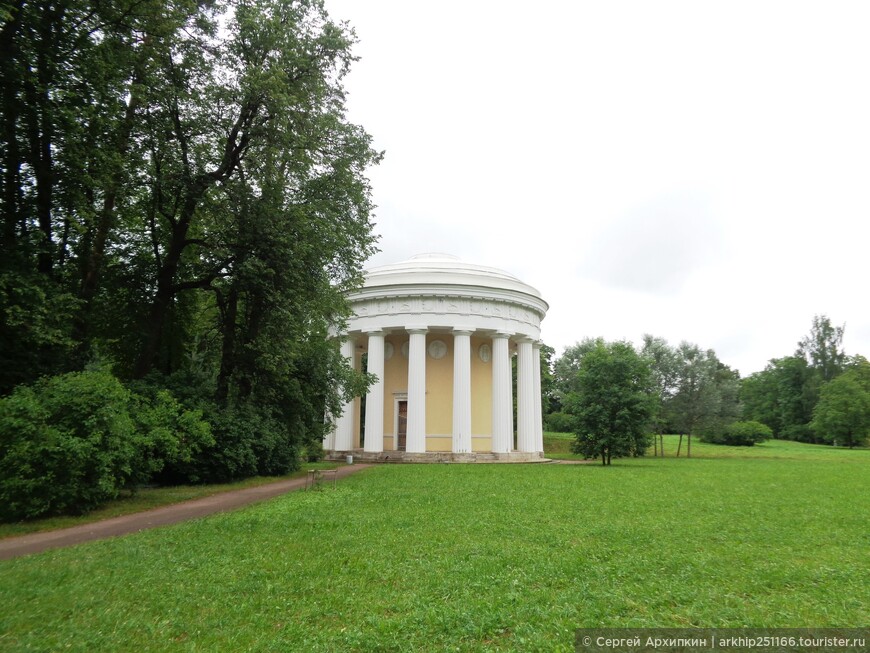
x=415, y=441
x=462, y=391
x=329, y=437
x=341, y=438
x=525, y=397
x=374, y=436
x=539, y=422
x=502, y=399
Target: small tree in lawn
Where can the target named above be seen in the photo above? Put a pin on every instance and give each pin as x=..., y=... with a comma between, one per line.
x=612, y=402
x=842, y=415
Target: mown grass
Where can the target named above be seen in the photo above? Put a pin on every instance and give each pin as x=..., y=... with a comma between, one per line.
x=557, y=443
x=470, y=558
x=146, y=499
x=558, y=446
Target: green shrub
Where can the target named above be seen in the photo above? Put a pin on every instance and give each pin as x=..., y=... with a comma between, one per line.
x=559, y=423
x=69, y=443
x=314, y=451
x=66, y=445
x=798, y=433
x=740, y=434
x=247, y=442
x=166, y=434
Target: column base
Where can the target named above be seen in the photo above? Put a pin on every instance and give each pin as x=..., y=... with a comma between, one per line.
x=436, y=457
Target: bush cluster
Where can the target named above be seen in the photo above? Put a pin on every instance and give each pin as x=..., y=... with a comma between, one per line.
x=559, y=423
x=71, y=442
x=740, y=434
x=247, y=442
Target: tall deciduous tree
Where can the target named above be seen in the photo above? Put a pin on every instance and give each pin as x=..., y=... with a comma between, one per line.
x=664, y=364
x=612, y=402
x=842, y=415
x=823, y=348
x=696, y=393
x=567, y=366
x=183, y=195
x=785, y=393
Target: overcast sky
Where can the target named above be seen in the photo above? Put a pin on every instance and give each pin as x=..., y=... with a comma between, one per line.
x=695, y=170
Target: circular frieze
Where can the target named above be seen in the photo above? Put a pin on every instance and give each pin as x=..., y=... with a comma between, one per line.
x=437, y=349
x=405, y=348
x=388, y=351
x=485, y=353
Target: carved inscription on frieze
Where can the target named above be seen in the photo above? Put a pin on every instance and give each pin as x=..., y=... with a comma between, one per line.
x=447, y=305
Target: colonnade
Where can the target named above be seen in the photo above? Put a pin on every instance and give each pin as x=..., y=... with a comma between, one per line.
x=529, y=424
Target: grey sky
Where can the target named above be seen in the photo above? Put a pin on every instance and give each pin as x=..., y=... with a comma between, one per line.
x=696, y=170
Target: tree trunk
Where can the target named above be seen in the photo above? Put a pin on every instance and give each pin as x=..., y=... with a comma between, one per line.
x=235, y=144
x=96, y=254
x=94, y=263
x=42, y=134
x=228, y=349
x=163, y=297
x=9, y=68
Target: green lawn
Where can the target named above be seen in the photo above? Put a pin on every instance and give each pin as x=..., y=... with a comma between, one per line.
x=146, y=499
x=473, y=557
x=558, y=446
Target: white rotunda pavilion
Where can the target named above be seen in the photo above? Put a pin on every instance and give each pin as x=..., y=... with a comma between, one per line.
x=439, y=334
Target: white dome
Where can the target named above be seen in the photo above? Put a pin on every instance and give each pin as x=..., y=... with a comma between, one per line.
x=438, y=269
x=441, y=291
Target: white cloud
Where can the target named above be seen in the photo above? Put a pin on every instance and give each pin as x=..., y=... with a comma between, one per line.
x=693, y=170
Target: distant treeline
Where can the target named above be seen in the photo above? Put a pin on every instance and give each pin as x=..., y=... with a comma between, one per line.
x=819, y=394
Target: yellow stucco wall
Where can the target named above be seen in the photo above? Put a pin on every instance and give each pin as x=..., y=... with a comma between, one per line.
x=439, y=394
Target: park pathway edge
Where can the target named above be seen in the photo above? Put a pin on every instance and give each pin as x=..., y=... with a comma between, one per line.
x=21, y=545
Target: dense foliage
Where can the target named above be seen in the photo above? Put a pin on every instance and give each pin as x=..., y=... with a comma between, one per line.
x=842, y=415
x=611, y=403
x=740, y=434
x=70, y=442
x=784, y=395
x=818, y=395
x=183, y=201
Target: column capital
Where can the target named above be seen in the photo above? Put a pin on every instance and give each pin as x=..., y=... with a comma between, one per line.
x=502, y=334
x=463, y=331
x=525, y=339
x=376, y=332
x=417, y=329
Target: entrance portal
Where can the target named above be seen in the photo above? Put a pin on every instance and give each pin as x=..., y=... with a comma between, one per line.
x=402, y=426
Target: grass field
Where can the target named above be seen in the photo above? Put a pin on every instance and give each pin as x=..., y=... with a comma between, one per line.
x=146, y=499
x=473, y=557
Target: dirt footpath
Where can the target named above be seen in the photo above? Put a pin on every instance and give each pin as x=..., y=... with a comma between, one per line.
x=13, y=547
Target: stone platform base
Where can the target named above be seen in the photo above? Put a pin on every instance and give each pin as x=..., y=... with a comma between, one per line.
x=435, y=457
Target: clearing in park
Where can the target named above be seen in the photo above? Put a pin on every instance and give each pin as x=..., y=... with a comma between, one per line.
x=474, y=558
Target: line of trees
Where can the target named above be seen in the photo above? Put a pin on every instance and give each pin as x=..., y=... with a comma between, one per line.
x=182, y=205
x=817, y=395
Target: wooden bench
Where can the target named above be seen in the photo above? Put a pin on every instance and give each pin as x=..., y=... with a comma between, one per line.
x=316, y=476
